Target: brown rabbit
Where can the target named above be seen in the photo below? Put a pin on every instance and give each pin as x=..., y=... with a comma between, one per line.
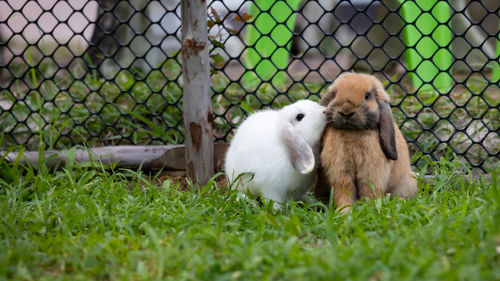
x=364, y=154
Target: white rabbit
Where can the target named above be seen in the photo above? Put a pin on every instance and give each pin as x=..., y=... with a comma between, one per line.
x=274, y=153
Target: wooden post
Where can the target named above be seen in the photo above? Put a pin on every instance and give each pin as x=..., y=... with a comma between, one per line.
x=197, y=109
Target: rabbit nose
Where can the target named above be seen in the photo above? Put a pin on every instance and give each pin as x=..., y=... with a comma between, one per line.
x=346, y=115
x=346, y=110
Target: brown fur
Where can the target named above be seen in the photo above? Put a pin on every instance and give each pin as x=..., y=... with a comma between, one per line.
x=364, y=154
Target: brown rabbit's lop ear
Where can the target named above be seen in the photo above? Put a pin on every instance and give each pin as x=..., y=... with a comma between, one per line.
x=328, y=97
x=299, y=152
x=386, y=130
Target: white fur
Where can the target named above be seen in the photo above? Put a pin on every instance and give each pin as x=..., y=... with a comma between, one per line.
x=257, y=159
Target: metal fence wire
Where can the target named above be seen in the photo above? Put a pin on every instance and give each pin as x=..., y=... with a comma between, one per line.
x=109, y=72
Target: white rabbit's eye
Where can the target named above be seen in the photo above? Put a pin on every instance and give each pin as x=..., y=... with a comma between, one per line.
x=299, y=117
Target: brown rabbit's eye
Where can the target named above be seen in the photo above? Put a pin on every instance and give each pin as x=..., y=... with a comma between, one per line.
x=367, y=96
x=299, y=117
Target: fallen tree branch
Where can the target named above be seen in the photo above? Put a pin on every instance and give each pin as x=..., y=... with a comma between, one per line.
x=167, y=157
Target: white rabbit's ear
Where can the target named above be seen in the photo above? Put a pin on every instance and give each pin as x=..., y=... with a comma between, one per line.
x=299, y=152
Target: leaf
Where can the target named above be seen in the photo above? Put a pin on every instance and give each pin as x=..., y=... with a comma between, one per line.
x=247, y=107
x=215, y=15
x=218, y=59
x=210, y=23
x=217, y=44
x=242, y=17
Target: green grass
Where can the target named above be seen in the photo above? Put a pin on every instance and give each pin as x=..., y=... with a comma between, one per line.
x=83, y=222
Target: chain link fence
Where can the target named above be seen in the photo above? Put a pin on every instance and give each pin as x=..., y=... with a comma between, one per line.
x=101, y=73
